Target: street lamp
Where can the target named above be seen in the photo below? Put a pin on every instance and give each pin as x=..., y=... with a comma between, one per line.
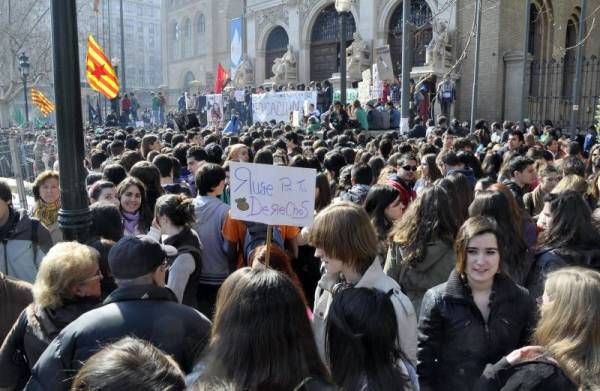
x=24, y=69
x=343, y=7
x=114, y=102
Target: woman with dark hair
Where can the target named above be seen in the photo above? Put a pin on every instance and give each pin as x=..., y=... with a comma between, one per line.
x=430, y=172
x=474, y=318
x=362, y=349
x=129, y=364
x=384, y=206
x=173, y=218
x=421, y=255
x=280, y=261
x=150, y=177
x=516, y=258
x=566, y=353
x=333, y=164
x=272, y=351
x=459, y=206
x=107, y=229
x=569, y=238
x=136, y=214
x=376, y=163
x=46, y=193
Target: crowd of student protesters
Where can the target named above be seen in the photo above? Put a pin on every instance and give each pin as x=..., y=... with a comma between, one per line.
x=437, y=260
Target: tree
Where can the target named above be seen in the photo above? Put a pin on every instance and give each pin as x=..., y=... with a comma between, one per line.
x=24, y=27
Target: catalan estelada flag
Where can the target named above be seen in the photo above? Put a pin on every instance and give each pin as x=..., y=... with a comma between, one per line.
x=45, y=106
x=100, y=74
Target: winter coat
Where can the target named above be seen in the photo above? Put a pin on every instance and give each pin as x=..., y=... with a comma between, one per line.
x=455, y=342
x=550, y=259
x=537, y=375
x=356, y=194
x=15, y=295
x=147, y=312
x=415, y=280
x=373, y=278
x=30, y=336
x=22, y=249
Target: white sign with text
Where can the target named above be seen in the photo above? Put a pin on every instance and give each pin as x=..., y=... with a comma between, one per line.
x=273, y=195
x=278, y=105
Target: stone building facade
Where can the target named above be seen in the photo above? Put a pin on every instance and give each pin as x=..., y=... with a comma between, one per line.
x=195, y=39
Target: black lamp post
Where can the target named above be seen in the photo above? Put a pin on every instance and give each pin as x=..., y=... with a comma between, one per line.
x=74, y=216
x=343, y=8
x=24, y=69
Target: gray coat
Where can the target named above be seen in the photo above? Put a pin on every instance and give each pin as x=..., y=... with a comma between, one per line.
x=415, y=280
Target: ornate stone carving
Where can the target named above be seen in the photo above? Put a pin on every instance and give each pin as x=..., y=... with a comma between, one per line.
x=357, y=57
x=244, y=73
x=437, y=50
x=274, y=15
x=285, y=68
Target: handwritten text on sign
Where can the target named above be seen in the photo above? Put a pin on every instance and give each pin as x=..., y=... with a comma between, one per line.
x=272, y=194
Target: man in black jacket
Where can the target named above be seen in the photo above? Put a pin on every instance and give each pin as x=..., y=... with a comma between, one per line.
x=141, y=306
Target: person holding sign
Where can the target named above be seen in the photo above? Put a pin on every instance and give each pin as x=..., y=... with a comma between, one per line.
x=346, y=243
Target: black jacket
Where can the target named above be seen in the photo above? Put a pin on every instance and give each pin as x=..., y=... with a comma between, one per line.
x=31, y=334
x=550, y=259
x=147, y=312
x=455, y=343
x=538, y=375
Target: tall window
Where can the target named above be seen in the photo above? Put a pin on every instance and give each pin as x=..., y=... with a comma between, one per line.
x=187, y=38
x=200, y=34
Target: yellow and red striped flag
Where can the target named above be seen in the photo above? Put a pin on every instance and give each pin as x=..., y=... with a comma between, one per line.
x=43, y=103
x=100, y=74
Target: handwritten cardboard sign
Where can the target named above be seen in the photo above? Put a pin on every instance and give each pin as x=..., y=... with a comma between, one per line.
x=272, y=194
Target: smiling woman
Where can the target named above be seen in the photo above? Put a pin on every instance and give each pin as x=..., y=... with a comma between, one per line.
x=46, y=192
x=476, y=317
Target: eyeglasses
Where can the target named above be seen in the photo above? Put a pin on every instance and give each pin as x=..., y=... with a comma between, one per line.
x=96, y=276
x=409, y=168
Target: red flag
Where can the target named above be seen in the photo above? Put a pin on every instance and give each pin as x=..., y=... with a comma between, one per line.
x=220, y=80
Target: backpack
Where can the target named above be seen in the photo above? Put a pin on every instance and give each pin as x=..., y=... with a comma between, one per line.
x=256, y=235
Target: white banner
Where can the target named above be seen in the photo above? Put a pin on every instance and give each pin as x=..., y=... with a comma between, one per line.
x=273, y=195
x=278, y=105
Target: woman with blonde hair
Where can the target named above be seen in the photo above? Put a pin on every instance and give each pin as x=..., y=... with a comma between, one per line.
x=567, y=355
x=67, y=285
x=238, y=153
x=46, y=193
x=571, y=182
x=347, y=245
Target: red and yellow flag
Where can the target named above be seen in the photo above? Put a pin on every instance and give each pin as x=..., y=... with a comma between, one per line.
x=43, y=103
x=100, y=74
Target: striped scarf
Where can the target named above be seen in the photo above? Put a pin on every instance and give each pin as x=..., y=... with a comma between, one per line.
x=47, y=213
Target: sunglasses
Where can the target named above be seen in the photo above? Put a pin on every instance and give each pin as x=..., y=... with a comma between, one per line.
x=409, y=168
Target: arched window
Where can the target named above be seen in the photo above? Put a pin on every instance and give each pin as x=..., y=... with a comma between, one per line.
x=277, y=44
x=187, y=38
x=174, y=38
x=187, y=80
x=201, y=34
x=420, y=17
x=325, y=37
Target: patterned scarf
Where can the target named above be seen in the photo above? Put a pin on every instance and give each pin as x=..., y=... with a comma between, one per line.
x=47, y=213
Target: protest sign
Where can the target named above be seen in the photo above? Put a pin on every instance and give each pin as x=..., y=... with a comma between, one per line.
x=214, y=108
x=384, y=63
x=272, y=195
x=278, y=105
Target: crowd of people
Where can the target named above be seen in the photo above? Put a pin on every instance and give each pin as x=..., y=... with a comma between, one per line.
x=438, y=260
